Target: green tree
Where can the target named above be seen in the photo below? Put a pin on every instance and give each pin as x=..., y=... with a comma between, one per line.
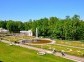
x=12, y=26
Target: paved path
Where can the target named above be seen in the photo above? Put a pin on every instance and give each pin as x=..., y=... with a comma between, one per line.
x=74, y=58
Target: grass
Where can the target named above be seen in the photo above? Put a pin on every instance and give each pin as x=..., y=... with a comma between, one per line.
x=70, y=43
x=16, y=38
x=75, y=51
x=18, y=54
x=68, y=50
x=63, y=42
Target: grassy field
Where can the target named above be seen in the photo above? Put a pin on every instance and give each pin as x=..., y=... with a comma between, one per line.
x=63, y=42
x=16, y=38
x=18, y=54
x=70, y=43
x=68, y=50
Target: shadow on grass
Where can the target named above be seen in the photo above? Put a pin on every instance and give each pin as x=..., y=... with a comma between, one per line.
x=1, y=61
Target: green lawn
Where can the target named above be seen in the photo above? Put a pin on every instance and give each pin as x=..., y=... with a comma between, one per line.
x=75, y=51
x=69, y=50
x=70, y=43
x=16, y=38
x=18, y=54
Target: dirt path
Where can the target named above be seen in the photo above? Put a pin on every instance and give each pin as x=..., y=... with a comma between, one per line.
x=74, y=58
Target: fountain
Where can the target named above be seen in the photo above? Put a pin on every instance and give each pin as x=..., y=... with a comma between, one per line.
x=37, y=40
x=40, y=40
x=36, y=33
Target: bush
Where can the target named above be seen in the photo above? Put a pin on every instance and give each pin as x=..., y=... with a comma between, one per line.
x=82, y=40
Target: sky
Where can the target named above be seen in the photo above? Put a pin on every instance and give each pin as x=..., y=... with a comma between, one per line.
x=23, y=10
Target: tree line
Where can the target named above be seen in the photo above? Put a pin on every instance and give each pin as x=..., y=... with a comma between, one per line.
x=70, y=28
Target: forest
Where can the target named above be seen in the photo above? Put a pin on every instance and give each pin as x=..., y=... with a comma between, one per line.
x=69, y=28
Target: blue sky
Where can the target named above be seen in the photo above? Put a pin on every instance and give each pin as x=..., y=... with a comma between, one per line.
x=23, y=10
